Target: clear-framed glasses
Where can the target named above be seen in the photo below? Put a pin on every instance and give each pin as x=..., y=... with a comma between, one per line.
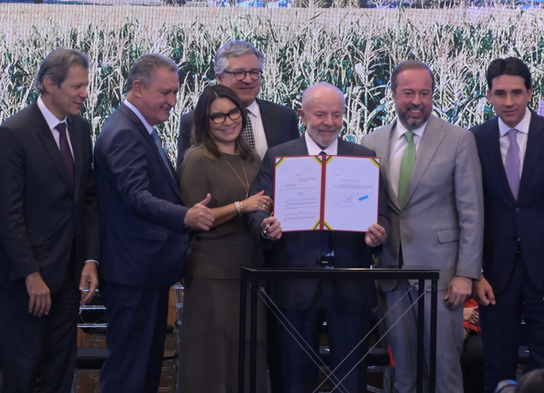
x=255, y=75
x=219, y=118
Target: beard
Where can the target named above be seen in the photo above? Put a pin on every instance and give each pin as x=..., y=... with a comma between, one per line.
x=409, y=122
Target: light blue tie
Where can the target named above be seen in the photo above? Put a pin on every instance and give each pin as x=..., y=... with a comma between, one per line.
x=512, y=163
x=158, y=142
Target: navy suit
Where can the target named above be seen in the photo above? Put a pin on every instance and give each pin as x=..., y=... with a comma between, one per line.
x=345, y=304
x=516, y=273
x=144, y=248
x=50, y=225
x=279, y=122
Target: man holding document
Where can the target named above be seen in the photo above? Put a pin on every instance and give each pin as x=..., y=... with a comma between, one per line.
x=346, y=305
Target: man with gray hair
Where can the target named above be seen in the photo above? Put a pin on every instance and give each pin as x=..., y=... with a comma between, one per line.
x=145, y=227
x=433, y=181
x=345, y=304
x=239, y=65
x=49, y=229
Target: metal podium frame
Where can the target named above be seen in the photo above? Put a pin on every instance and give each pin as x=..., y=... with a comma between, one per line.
x=256, y=274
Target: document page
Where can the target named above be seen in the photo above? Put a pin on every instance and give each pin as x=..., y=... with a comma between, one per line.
x=351, y=193
x=297, y=192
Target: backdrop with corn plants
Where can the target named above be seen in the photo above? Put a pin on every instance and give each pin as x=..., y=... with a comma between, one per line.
x=354, y=49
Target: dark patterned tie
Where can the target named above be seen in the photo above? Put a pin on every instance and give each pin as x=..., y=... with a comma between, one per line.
x=247, y=133
x=511, y=163
x=65, y=150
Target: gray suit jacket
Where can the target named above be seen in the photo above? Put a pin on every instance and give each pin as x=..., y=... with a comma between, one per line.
x=441, y=224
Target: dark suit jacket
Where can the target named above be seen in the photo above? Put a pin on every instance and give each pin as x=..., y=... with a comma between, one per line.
x=302, y=249
x=41, y=214
x=144, y=239
x=507, y=220
x=280, y=125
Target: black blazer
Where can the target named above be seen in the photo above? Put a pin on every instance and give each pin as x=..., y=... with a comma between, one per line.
x=507, y=220
x=144, y=240
x=41, y=214
x=280, y=125
x=302, y=249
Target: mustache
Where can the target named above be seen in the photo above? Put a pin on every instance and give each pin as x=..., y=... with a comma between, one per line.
x=327, y=129
x=413, y=106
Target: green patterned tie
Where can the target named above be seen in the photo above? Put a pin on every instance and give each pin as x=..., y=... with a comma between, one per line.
x=406, y=167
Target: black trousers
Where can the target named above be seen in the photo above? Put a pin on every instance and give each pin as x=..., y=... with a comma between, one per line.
x=135, y=337
x=38, y=348
x=473, y=363
x=501, y=325
x=299, y=374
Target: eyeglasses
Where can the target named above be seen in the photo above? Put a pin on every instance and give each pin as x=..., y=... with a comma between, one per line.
x=241, y=75
x=219, y=118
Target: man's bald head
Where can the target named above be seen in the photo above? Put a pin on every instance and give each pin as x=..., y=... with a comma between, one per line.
x=322, y=113
x=320, y=89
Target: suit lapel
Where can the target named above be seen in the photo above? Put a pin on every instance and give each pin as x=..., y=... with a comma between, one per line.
x=77, y=148
x=433, y=135
x=382, y=142
x=269, y=125
x=44, y=133
x=299, y=147
x=493, y=158
x=169, y=172
x=535, y=144
x=344, y=148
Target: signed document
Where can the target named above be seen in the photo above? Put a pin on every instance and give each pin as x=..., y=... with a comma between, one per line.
x=326, y=192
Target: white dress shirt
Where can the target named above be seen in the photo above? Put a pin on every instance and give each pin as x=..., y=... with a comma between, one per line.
x=147, y=126
x=52, y=122
x=314, y=149
x=398, y=146
x=521, y=137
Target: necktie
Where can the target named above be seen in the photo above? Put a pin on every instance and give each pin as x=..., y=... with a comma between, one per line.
x=65, y=150
x=158, y=142
x=325, y=242
x=247, y=133
x=511, y=163
x=406, y=167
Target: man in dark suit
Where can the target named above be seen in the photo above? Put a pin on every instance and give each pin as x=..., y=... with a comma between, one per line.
x=512, y=286
x=49, y=229
x=145, y=227
x=346, y=305
x=239, y=65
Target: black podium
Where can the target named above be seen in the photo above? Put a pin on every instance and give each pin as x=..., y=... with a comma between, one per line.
x=256, y=274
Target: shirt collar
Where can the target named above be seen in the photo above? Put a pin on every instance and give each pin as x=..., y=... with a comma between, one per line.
x=400, y=129
x=147, y=126
x=50, y=118
x=314, y=149
x=522, y=126
x=254, y=109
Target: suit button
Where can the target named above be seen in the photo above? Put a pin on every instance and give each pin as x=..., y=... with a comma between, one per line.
x=71, y=235
x=517, y=210
x=401, y=217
